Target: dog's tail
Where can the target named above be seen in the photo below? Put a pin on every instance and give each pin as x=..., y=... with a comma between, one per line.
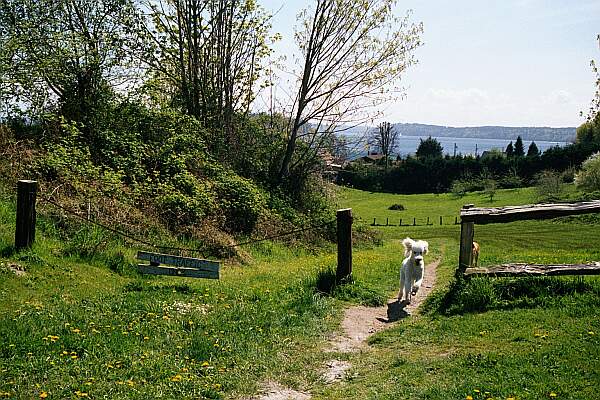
x=408, y=244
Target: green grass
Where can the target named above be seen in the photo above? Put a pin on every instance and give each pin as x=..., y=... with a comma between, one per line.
x=83, y=321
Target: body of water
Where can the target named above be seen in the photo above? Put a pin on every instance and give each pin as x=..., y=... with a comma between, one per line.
x=408, y=145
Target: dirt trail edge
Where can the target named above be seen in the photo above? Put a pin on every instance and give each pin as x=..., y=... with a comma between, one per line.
x=358, y=324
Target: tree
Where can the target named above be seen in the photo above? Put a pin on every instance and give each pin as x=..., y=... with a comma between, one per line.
x=489, y=188
x=353, y=54
x=519, y=149
x=385, y=138
x=588, y=178
x=429, y=148
x=589, y=131
x=65, y=54
x=205, y=58
x=533, y=151
x=510, y=150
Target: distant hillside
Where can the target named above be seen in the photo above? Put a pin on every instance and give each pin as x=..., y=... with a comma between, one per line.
x=489, y=132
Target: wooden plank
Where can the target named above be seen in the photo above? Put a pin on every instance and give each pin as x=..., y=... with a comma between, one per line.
x=522, y=269
x=182, y=262
x=181, y=271
x=531, y=211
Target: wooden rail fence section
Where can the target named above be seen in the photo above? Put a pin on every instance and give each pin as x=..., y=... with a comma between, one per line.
x=470, y=216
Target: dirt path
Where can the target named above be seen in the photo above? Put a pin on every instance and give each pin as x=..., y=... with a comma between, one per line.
x=358, y=324
x=361, y=322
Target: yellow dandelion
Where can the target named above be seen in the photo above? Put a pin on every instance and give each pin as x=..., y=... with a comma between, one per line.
x=205, y=364
x=184, y=370
x=511, y=398
x=552, y=394
x=130, y=382
x=43, y=395
x=79, y=393
x=176, y=378
x=75, y=330
x=477, y=391
x=75, y=357
x=146, y=338
x=469, y=397
x=591, y=333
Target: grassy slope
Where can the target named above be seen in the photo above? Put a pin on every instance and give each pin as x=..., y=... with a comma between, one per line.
x=127, y=336
x=497, y=338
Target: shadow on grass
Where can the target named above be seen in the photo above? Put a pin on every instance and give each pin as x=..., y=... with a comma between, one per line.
x=486, y=294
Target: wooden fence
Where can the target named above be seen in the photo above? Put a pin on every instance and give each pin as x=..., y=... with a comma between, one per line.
x=470, y=216
x=414, y=222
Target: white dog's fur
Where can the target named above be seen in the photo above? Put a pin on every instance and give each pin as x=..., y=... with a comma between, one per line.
x=413, y=268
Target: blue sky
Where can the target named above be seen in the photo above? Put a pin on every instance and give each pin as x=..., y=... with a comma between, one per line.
x=503, y=62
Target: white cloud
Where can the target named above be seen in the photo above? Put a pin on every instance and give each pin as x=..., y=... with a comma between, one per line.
x=558, y=97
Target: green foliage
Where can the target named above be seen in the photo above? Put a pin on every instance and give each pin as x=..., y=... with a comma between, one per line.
x=588, y=178
x=519, y=149
x=510, y=151
x=549, y=186
x=533, y=151
x=240, y=200
x=429, y=148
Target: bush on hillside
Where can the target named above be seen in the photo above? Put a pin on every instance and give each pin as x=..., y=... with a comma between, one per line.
x=588, y=178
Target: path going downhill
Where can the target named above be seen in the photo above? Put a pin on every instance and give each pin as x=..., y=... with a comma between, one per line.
x=358, y=325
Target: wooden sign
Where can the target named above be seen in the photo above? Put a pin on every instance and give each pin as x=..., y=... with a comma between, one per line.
x=179, y=266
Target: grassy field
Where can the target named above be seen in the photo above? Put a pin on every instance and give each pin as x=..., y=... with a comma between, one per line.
x=87, y=325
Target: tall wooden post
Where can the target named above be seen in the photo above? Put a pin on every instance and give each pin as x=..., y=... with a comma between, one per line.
x=25, y=230
x=467, y=230
x=344, y=244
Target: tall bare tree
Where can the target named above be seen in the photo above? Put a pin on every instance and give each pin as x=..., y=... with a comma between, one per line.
x=207, y=56
x=385, y=139
x=353, y=55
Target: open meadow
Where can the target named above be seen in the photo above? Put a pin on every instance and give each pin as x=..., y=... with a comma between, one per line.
x=78, y=325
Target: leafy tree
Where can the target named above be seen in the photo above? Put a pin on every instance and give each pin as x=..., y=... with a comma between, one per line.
x=533, y=151
x=352, y=56
x=588, y=178
x=489, y=188
x=65, y=53
x=519, y=148
x=429, y=148
x=205, y=58
x=510, y=151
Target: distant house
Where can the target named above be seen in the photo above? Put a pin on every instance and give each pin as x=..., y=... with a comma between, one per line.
x=371, y=157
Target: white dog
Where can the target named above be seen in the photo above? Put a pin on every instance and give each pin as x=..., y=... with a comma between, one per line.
x=413, y=268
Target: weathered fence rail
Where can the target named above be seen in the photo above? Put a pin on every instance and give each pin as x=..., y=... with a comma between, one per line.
x=470, y=216
x=428, y=222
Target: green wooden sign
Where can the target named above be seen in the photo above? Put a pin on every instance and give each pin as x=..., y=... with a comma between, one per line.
x=179, y=266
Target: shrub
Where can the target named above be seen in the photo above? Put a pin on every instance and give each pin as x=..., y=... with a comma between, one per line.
x=241, y=201
x=396, y=207
x=588, y=178
x=549, y=186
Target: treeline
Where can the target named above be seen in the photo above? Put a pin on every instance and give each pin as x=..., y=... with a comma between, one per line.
x=437, y=174
x=150, y=106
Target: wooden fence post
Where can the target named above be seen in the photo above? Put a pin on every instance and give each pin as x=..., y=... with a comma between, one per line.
x=344, y=243
x=25, y=229
x=374, y=219
x=440, y=220
x=414, y=222
x=400, y=223
x=387, y=221
x=467, y=230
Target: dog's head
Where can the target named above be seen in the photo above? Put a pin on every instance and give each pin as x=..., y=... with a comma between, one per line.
x=415, y=249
